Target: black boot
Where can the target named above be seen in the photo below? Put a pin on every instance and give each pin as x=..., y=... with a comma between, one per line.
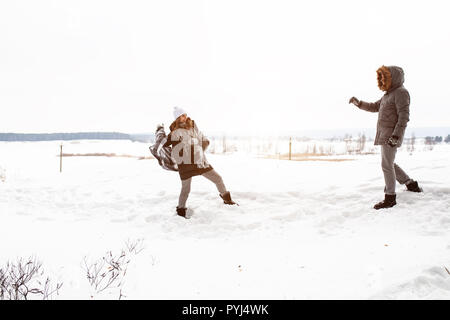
x=413, y=186
x=181, y=212
x=389, y=201
x=227, y=198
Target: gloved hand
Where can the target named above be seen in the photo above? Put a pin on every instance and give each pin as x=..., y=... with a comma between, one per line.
x=205, y=144
x=392, y=141
x=159, y=126
x=355, y=101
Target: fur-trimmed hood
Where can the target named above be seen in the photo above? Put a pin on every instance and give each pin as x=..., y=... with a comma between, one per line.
x=392, y=108
x=394, y=77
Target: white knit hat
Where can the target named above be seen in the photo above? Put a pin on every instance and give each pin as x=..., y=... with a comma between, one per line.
x=178, y=112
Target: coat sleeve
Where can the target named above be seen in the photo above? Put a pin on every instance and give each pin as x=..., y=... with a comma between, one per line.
x=205, y=143
x=402, y=101
x=169, y=140
x=203, y=139
x=370, y=106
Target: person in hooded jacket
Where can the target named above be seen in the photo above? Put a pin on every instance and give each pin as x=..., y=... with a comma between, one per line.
x=393, y=116
x=188, y=151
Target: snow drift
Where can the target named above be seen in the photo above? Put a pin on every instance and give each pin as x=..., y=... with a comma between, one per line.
x=303, y=230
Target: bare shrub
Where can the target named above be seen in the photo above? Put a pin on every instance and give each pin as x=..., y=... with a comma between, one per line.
x=135, y=246
x=2, y=175
x=361, y=143
x=411, y=143
x=25, y=279
x=108, y=272
x=154, y=260
x=348, y=144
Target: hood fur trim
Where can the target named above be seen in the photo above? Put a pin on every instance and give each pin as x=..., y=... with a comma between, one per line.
x=384, y=72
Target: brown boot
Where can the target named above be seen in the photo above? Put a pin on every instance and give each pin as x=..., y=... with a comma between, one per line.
x=413, y=186
x=388, y=202
x=181, y=212
x=227, y=198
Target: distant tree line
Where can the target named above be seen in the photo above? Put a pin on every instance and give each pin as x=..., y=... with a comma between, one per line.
x=437, y=139
x=65, y=136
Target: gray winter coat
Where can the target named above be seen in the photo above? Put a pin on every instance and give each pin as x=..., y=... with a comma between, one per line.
x=392, y=108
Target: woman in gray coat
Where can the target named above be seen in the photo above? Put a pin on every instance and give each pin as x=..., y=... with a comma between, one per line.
x=393, y=115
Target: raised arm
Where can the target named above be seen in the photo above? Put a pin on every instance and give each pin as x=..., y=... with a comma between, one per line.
x=370, y=106
x=169, y=140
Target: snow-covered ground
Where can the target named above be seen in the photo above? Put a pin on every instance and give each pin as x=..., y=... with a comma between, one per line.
x=303, y=230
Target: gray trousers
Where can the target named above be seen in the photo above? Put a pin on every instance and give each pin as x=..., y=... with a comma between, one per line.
x=392, y=172
x=186, y=186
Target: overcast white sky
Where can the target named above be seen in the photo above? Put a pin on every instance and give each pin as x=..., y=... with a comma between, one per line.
x=236, y=66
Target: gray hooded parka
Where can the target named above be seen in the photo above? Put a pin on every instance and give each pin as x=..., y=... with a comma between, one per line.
x=392, y=108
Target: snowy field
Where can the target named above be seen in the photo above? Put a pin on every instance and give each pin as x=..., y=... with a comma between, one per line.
x=303, y=230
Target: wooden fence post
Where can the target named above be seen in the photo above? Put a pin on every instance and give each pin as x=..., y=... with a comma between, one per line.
x=60, y=158
x=290, y=147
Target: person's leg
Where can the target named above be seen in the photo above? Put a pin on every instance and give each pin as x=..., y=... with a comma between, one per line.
x=401, y=175
x=403, y=178
x=184, y=194
x=387, y=164
x=213, y=176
